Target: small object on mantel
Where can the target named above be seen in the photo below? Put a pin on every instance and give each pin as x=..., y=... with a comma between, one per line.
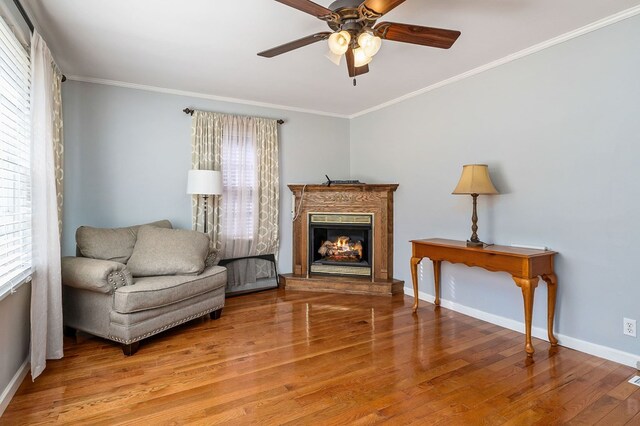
x=530, y=247
x=330, y=182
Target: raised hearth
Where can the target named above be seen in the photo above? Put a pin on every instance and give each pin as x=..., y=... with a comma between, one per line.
x=343, y=239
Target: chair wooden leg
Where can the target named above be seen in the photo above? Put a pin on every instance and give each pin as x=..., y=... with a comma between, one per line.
x=216, y=314
x=69, y=331
x=131, y=348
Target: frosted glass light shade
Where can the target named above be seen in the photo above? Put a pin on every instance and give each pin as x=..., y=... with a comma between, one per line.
x=475, y=180
x=369, y=43
x=360, y=58
x=339, y=42
x=205, y=182
x=333, y=57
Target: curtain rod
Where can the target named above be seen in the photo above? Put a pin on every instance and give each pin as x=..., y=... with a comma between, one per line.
x=190, y=111
x=29, y=23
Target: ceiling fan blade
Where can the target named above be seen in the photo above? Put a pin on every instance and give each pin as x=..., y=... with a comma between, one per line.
x=311, y=8
x=353, y=70
x=380, y=7
x=287, y=47
x=425, y=36
x=361, y=70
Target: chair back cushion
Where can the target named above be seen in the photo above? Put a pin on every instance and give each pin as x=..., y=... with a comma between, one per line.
x=114, y=244
x=160, y=251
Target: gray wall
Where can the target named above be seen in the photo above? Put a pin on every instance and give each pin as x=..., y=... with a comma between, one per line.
x=14, y=333
x=127, y=153
x=560, y=130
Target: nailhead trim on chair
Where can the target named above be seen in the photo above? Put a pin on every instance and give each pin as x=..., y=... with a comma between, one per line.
x=166, y=327
x=114, y=277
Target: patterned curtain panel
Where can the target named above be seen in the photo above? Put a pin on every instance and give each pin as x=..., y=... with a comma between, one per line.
x=58, y=143
x=244, y=219
x=267, y=240
x=206, y=143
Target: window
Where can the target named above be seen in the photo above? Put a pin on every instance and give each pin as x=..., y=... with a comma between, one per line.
x=240, y=183
x=15, y=182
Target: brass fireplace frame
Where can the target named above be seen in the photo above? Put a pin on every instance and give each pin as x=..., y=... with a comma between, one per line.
x=311, y=266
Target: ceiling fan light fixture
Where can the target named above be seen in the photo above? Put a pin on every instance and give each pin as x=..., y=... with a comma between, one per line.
x=355, y=32
x=360, y=58
x=339, y=42
x=369, y=43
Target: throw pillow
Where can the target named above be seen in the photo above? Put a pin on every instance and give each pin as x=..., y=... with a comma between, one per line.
x=161, y=251
x=115, y=244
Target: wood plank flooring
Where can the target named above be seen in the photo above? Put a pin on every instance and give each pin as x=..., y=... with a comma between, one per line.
x=304, y=358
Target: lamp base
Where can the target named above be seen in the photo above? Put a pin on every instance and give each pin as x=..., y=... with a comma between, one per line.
x=206, y=218
x=475, y=243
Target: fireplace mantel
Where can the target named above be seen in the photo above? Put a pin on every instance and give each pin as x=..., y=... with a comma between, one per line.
x=377, y=200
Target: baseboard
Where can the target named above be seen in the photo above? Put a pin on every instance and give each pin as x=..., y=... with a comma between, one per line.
x=14, y=384
x=600, y=351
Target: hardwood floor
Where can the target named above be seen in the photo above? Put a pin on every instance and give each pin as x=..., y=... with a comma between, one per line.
x=316, y=358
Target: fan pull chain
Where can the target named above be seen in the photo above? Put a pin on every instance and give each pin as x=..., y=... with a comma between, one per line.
x=354, y=82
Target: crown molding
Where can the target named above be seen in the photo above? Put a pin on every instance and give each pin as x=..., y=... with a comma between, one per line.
x=199, y=95
x=628, y=13
x=625, y=14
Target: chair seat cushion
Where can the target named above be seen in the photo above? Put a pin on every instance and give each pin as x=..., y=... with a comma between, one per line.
x=155, y=292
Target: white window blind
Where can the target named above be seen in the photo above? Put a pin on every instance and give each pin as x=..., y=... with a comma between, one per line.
x=15, y=182
x=239, y=181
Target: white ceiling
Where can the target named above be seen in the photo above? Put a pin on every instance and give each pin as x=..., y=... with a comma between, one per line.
x=209, y=47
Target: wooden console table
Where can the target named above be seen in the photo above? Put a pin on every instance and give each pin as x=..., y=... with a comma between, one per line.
x=524, y=265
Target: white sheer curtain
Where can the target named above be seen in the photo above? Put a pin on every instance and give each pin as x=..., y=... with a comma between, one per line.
x=46, y=289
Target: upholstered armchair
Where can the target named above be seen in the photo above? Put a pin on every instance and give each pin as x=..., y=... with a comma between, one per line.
x=126, y=284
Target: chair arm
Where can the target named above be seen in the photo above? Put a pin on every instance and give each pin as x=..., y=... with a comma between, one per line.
x=102, y=276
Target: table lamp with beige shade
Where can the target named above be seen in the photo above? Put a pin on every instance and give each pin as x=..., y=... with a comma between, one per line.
x=475, y=181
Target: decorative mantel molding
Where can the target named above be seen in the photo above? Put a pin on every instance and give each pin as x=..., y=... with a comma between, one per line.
x=353, y=198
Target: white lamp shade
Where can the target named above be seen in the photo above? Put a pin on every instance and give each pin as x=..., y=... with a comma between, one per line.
x=206, y=182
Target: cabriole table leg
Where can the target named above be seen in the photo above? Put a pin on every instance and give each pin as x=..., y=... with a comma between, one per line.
x=552, y=288
x=414, y=278
x=436, y=280
x=528, y=286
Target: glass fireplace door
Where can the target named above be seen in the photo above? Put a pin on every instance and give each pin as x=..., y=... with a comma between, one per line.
x=340, y=244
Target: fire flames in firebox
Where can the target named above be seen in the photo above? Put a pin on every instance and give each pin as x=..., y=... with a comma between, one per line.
x=341, y=250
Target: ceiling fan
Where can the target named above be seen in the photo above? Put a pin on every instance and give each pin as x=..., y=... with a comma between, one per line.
x=355, y=33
